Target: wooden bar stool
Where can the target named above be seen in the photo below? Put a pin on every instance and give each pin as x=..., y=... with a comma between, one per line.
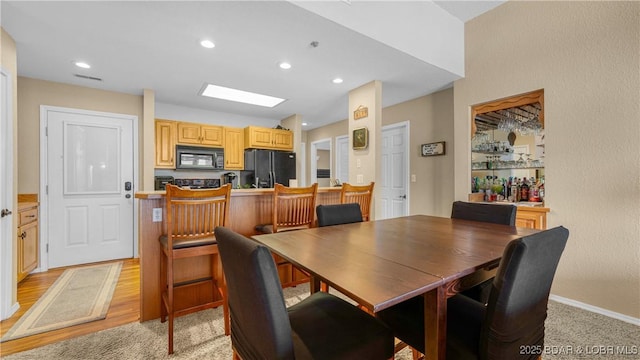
x=358, y=194
x=293, y=209
x=192, y=216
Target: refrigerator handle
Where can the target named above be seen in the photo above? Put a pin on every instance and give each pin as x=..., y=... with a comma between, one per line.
x=272, y=180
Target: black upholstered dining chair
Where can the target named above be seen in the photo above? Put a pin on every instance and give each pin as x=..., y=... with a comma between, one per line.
x=337, y=214
x=321, y=326
x=490, y=213
x=514, y=317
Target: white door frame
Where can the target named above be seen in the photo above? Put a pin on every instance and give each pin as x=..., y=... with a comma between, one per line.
x=338, y=174
x=7, y=261
x=314, y=162
x=44, y=196
x=302, y=182
x=407, y=152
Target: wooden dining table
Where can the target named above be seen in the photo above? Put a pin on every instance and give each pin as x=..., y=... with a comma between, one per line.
x=384, y=262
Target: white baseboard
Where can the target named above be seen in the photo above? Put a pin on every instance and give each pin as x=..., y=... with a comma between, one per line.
x=12, y=310
x=595, y=309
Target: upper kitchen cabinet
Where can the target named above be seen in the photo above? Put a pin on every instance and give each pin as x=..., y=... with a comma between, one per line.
x=233, y=149
x=265, y=138
x=165, y=144
x=199, y=134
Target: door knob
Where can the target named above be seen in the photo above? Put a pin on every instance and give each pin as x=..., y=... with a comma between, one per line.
x=5, y=212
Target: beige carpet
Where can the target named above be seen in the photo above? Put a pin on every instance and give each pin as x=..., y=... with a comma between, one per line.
x=79, y=295
x=201, y=336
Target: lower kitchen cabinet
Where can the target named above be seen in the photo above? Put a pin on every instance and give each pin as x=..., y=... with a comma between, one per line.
x=28, y=242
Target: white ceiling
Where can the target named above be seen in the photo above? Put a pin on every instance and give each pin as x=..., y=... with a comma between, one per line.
x=136, y=45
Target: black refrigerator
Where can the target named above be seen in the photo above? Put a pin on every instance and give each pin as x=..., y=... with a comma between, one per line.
x=264, y=168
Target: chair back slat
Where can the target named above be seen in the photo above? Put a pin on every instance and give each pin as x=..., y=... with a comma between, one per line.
x=293, y=207
x=361, y=195
x=195, y=213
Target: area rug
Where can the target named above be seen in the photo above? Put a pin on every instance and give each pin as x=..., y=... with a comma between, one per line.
x=79, y=295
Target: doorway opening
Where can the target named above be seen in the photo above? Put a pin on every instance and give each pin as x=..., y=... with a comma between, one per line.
x=320, y=161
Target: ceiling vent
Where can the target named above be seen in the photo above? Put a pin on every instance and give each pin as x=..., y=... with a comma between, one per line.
x=87, y=77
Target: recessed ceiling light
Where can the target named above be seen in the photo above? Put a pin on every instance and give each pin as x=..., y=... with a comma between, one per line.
x=82, y=64
x=225, y=93
x=208, y=44
x=285, y=66
x=337, y=81
x=304, y=124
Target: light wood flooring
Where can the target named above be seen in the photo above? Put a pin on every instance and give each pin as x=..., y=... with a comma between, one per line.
x=124, y=309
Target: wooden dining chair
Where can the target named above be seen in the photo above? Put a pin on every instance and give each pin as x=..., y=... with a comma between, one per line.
x=514, y=317
x=192, y=216
x=361, y=195
x=293, y=209
x=322, y=326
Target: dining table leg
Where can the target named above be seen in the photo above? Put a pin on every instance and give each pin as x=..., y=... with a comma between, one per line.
x=314, y=284
x=435, y=324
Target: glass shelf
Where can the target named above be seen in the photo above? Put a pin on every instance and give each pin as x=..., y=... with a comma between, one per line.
x=492, y=152
x=512, y=168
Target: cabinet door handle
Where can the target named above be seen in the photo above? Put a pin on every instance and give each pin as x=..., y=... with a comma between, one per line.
x=30, y=216
x=23, y=235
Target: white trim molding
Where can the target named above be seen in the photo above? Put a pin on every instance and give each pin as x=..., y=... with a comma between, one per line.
x=595, y=309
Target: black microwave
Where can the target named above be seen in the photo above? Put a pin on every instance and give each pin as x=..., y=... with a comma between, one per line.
x=199, y=158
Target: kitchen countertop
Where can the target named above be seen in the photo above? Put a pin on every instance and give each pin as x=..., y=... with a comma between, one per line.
x=234, y=192
x=520, y=203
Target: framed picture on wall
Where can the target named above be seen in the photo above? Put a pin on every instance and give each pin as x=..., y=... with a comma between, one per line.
x=360, y=138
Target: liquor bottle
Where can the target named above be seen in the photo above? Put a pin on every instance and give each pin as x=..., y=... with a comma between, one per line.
x=524, y=190
x=515, y=190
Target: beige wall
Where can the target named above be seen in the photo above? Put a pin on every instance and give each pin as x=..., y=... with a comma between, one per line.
x=294, y=123
x=330, y=131
x=430, y=119
x=8, y=61
x=586, y=56
x=32, y=93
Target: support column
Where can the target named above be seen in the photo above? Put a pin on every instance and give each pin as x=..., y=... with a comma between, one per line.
x=148, y=159
x=363, y=167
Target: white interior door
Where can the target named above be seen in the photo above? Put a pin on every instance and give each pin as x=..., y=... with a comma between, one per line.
x=342, y=158
x=7, y=262
x=90, y=186
x=393, y=188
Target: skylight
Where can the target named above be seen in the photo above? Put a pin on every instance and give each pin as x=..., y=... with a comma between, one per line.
x=225, y=93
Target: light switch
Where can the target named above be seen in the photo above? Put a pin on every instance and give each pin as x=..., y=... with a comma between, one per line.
x=157, y=215
x=413, y=177
x=357, y=163
x=359, y=179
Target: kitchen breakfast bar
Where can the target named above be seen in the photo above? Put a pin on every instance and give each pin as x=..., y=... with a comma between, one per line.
x=248, y=208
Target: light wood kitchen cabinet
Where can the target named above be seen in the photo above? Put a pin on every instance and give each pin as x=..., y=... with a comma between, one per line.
x=264, y=138
x=165, y=144
x=233, y=149
x=27, y=238
x=198, y=134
